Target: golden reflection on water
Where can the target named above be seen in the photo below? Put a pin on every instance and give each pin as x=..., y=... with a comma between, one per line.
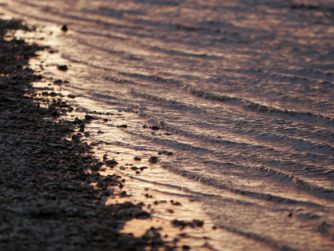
x=165, y=204
x=264, y=167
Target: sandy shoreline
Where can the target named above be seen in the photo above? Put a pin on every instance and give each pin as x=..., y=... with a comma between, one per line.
x=211, y=122
x=52, y=195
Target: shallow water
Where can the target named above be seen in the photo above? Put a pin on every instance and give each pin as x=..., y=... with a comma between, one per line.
x=242, y=93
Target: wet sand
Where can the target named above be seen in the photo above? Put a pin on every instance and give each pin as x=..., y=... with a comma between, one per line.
x=233, y=98
x=52, y=196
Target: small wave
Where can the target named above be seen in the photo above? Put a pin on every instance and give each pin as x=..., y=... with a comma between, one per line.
x=252, y=106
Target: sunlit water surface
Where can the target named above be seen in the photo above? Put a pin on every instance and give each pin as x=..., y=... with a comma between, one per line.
x=241, y=92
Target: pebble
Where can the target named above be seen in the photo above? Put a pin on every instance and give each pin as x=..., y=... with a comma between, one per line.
x=88, y=117
x=64, y=28
x=71, y=96
x=153, y=160
x=62, y=67
x=111, y=163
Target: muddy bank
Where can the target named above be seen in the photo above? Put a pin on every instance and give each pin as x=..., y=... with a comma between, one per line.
x=51, y=194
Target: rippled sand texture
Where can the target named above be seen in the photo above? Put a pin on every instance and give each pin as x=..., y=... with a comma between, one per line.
x=242, y=91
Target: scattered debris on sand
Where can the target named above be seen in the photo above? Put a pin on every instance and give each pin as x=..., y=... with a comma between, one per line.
x=64, y=28
x=52, y=196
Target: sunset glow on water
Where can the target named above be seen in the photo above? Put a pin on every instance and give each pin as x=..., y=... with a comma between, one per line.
x=240, y=93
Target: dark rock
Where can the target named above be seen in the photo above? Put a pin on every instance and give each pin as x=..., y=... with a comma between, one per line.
x=165, y=153
x=185, y=247
x=58, y=82
x=88, y=117
x=111, y=163
x=183, y=224
x=62, y=67
x=155, y=128
x=175, y=203
x=64, y=28
x=71, y=96
x=153, y=160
